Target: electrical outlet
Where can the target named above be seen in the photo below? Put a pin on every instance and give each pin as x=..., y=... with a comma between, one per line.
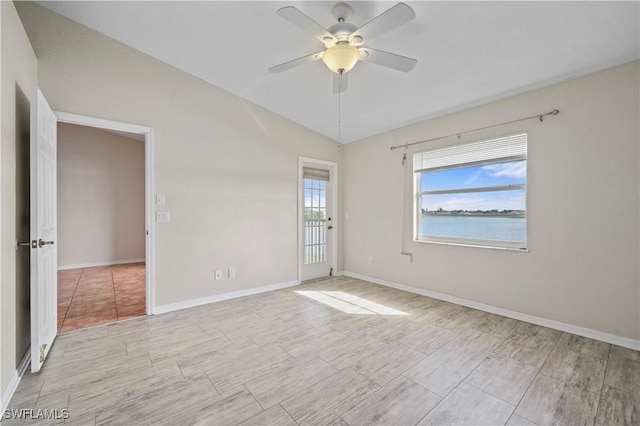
x=218, y=274
x=232, y=272
x=370, y=261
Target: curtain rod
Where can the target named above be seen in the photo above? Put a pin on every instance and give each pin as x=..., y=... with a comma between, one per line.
x=459, y=134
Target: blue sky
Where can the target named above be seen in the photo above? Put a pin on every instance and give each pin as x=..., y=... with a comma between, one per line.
x=315, y=191
x=511, y=173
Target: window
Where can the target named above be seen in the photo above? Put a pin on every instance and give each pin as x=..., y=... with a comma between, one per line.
x=315, y=215
x=473, y=193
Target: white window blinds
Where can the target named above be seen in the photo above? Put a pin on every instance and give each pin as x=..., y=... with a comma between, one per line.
x=316, y=174
x=511, y=147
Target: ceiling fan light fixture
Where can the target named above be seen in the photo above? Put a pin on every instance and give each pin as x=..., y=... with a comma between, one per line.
x=341, y=58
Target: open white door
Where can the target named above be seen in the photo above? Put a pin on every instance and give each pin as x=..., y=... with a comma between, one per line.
x=44, y=232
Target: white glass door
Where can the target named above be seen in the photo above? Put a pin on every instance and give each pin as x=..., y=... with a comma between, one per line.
x=317, y=227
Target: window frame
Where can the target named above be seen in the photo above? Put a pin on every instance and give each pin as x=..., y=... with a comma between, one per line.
x=494, y=244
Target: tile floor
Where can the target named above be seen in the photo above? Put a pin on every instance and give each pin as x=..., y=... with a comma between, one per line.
x=94, y=296
x=334, y=352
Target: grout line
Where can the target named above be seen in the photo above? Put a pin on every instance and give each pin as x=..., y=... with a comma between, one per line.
x=288, y=413
x=254, y=397
x=604, y=376
x=208, y=377
x=555, y=344
x=113, y=286
x=490, y=394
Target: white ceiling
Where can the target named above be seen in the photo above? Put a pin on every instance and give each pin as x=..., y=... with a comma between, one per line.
x=468, y=53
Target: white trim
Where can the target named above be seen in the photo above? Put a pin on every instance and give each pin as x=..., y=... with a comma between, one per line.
x=557, y=325
x=333, y=168
x=100, y=123
x=84, y=120
x=220, y=297
x=469, y=242
x=8, y=392
x=106, y=263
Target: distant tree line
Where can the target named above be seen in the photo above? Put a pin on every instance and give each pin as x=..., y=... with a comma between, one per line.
x=494, y=212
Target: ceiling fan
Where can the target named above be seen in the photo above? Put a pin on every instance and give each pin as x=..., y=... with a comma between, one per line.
x=344, y=42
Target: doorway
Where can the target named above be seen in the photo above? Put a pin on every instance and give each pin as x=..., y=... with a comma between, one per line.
x=104, y=194
x=317, y=243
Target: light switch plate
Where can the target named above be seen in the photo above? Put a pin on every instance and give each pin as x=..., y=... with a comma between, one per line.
x=162, y=217
x=218, y=274
x=160, y=199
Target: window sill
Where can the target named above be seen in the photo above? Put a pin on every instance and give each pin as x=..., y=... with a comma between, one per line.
x=472, y=243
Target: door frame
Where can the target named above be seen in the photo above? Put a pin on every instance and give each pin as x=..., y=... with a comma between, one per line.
x=147, y=132
x=332, y=166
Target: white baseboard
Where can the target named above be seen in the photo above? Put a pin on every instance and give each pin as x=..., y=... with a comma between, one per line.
x=8, y=392
x=105, y=263
x=557, y=325
x=220, y=297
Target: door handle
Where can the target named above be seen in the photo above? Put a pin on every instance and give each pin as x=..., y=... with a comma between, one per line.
x=329, y=227
x=32, y=244
x=42, y=243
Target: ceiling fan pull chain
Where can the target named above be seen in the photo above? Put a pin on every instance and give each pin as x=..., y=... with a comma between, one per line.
x=340, y=110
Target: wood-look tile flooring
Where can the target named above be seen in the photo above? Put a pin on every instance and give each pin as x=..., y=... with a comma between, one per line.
x=100, y=295
x=334, y=352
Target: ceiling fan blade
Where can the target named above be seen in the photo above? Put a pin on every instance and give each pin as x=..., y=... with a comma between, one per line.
x=340, y=82
x=296, y=62
x=389, y=60
x=302, y=21
x=392, y=18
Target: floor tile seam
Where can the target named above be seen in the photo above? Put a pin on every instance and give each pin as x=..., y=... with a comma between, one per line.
x=39, y=391
x=380, y=387
x=597, y=395
x=538, y=373
x=253, y=396
x=98, y=315
x=113, y=286
x=399, y=375
x=530, y=364
x=206, y=371
x=490, y=394
x=554, y=341
x=135, y=398
x=288, y=413
x=208, y=377
x=436, y=405
x=336, y=371
x=604, y=377
x=371, y=382
x=619, y=389
x=572, y=382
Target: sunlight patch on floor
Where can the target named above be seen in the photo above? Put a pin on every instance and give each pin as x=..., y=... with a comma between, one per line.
x=350, y=304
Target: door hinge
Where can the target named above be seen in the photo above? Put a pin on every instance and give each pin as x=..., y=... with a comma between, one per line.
x=42, y=348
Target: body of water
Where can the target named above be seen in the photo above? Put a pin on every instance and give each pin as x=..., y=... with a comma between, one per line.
x=477, y=228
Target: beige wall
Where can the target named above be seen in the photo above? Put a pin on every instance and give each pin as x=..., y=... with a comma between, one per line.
x=100, y=197
x=19, y=77
x=583, y=208
x=228, y=167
